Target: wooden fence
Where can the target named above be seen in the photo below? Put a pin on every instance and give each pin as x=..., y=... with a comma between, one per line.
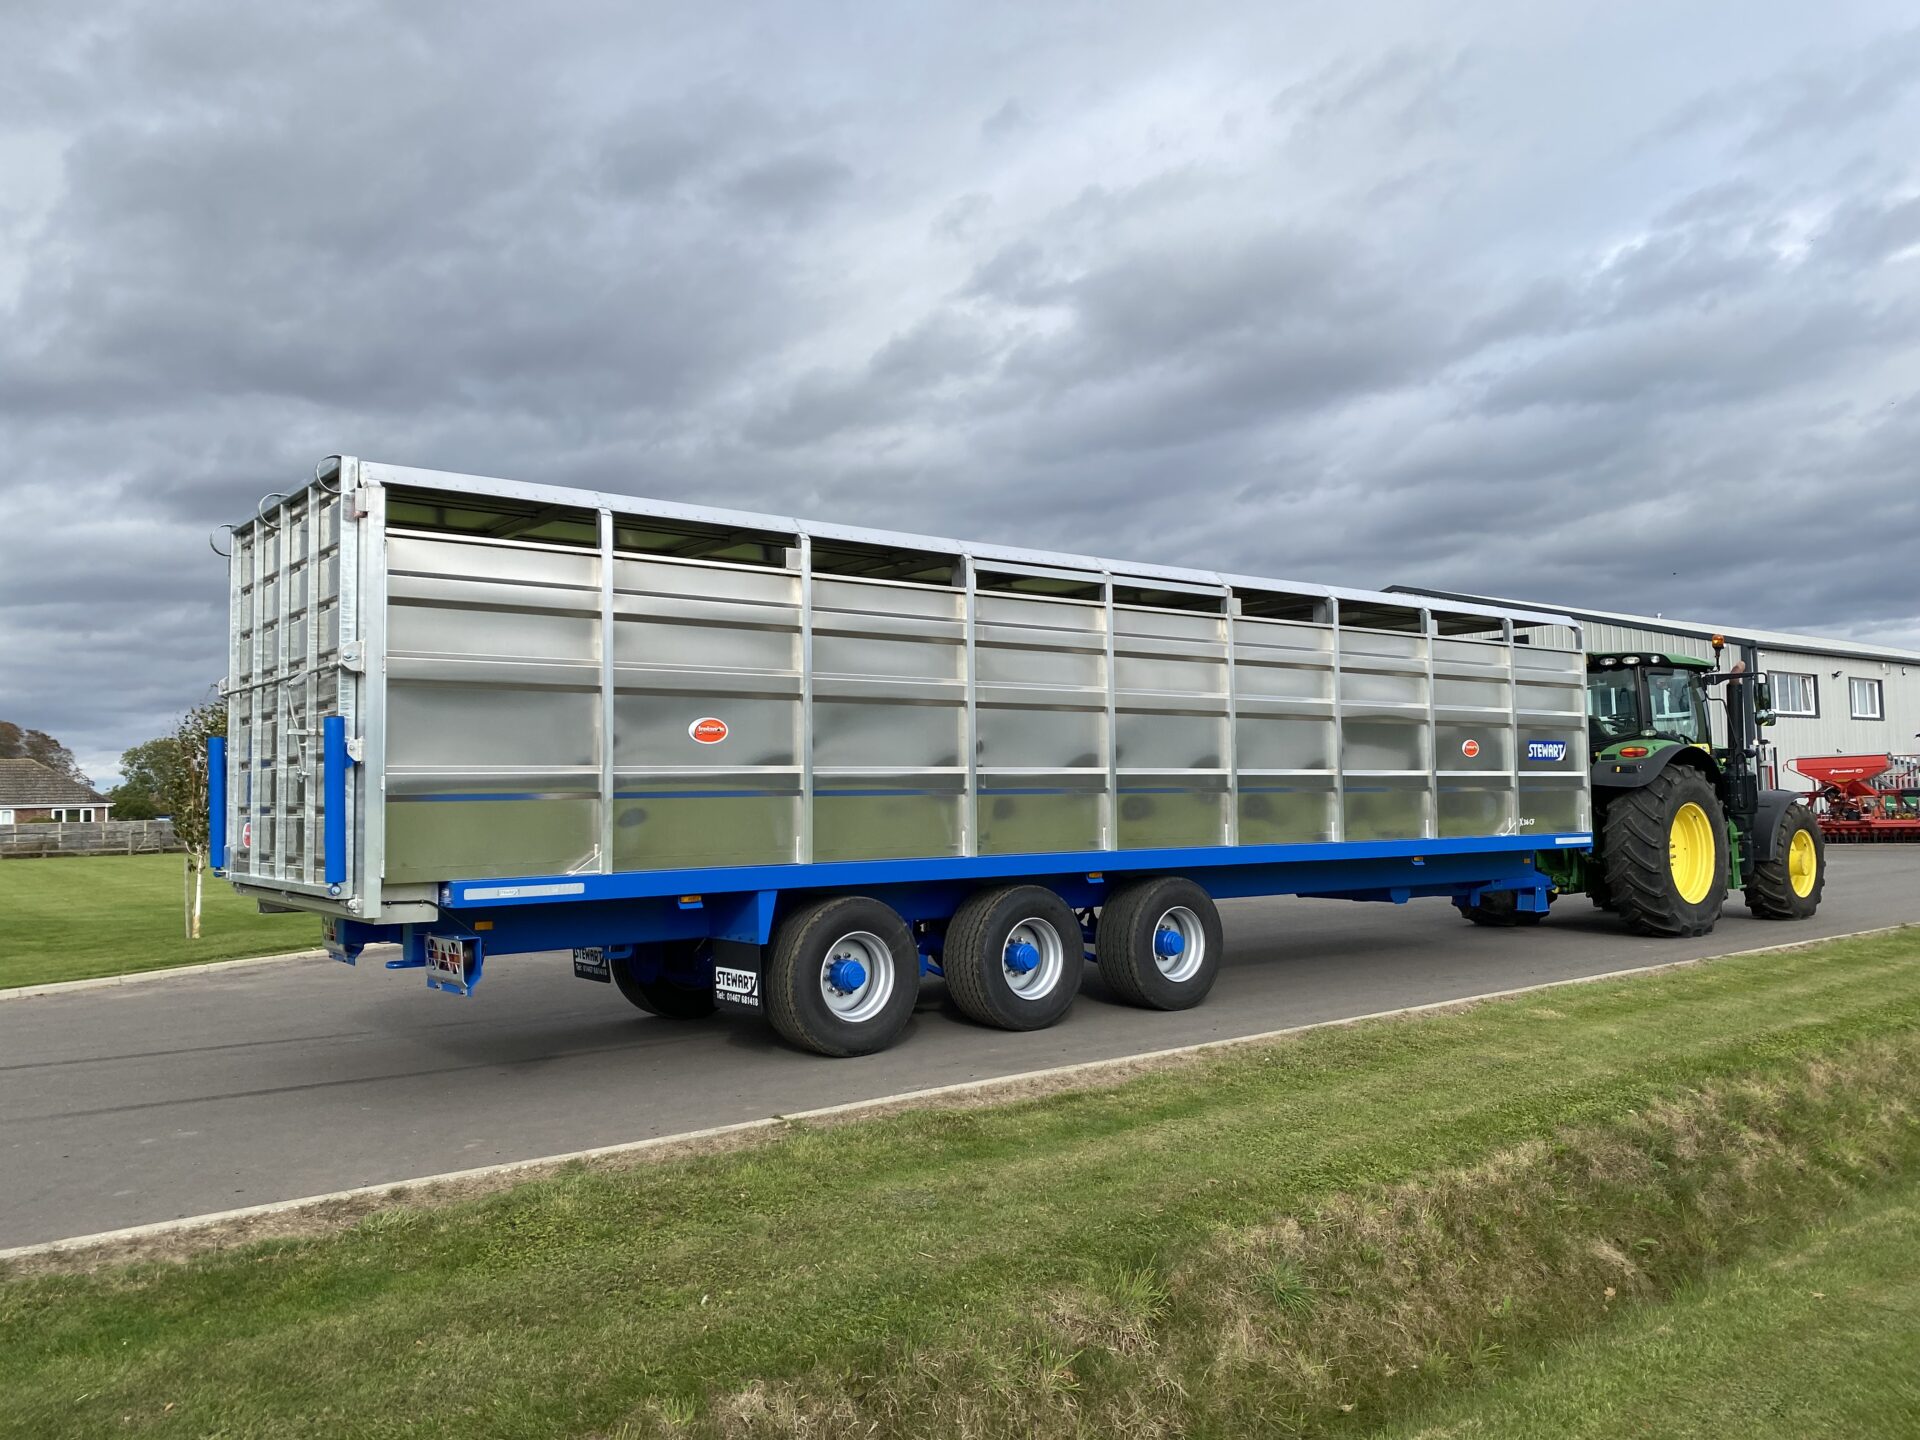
x=106, y=837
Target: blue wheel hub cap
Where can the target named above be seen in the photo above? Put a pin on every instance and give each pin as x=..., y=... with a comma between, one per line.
x=846, y=975
x=1168, y=943
x=1023, y=957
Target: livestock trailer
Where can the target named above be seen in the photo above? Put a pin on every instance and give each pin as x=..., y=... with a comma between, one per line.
x=774, y=766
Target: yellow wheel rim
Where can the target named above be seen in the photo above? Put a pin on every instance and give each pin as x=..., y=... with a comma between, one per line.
x=1691, y=853
x=1803, y=862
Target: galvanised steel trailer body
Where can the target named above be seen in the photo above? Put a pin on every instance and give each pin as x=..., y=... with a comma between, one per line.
x=478, y=717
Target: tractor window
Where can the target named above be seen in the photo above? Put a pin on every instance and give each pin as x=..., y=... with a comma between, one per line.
x=1613, y=707
x=1675, y=704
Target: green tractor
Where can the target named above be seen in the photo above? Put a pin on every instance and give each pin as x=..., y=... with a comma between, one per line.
x=1677, y=820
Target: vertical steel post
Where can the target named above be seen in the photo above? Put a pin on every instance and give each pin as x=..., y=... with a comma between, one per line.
x=1231, y=607
x=1110, y=832
x=803, y=840
x=1339, y=830
x=316, y=510
x=369, y=819
x=1430, y=823
x=970, y=815
x=286, y=745
x=1513, y=728
x=606, y=692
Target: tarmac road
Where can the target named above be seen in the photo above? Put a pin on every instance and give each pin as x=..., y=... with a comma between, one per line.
x=206, y=1092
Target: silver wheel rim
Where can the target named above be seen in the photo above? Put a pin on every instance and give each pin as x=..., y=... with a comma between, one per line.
x=1184, y=965
x=1039, y=982
x=861, y=1002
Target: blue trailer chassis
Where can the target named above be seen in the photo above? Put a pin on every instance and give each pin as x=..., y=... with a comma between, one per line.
x=742, y=905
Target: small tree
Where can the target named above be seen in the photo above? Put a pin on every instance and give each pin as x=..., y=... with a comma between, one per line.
x=17, y=742
x=185, y=795
x=147, y=772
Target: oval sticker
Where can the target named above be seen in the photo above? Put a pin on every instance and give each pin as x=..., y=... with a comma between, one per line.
x=246, y=834
x=708, y=730
x=1469, y=748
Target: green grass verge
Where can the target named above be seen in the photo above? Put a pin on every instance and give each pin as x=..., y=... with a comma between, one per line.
x=1818, y=1340
x=85, y=916
x=1157, y=1257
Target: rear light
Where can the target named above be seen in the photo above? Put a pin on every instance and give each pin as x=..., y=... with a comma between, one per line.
x=1633, y=752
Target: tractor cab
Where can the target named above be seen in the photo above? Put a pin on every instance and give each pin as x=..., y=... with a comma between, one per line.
x=1639, y=696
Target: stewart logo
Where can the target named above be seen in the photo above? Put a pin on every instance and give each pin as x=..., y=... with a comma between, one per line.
x=1552, y=751
x=1470, y=748
x=709, y=730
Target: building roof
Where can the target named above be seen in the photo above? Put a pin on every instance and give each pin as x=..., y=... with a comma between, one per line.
x=1764, y=639
x=29, y=785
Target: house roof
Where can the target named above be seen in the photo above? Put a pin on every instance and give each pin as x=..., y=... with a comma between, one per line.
x=27, y=784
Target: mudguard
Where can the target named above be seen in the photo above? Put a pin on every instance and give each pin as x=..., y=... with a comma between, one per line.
x=1766, y=822
x=1632, y=774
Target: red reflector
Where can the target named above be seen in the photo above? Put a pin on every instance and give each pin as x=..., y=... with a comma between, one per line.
x=1632, y=752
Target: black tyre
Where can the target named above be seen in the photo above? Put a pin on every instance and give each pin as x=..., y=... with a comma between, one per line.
x=673, y=979
x=842, y=976
x=1788, y=887
x=1500, y=909
x=1159, y=944
x=1013, y=957
x=1664, y=854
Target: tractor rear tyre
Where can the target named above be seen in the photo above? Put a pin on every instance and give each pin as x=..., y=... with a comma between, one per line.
x=1500, y=909
x=1788, y=886
x=1664, y=854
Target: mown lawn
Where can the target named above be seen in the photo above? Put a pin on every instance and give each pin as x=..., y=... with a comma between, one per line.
x=84, y=916
x=1319, y=1236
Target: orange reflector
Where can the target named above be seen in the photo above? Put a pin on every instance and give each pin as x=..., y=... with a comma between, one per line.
x=483, y=924
x=1632, y=752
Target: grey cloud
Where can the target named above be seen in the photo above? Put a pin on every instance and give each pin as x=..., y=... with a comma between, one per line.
x=794, y=187
x=1809, y=100
x=1009, y=120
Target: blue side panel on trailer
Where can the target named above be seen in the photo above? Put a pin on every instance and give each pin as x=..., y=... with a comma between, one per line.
x=742, y=904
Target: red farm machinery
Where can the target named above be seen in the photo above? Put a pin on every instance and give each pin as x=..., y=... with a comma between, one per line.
x=1864, y=798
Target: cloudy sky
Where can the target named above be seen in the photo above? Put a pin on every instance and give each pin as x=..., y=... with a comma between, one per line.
x=1606, y=304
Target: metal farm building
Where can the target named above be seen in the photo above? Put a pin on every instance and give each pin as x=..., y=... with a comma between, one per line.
x=1831, y=697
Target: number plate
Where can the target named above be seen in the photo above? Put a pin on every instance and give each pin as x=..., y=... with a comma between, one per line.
x=592, y=964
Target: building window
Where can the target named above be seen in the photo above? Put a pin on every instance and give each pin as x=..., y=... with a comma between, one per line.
x=1864, y=696
x=72, y=817
x=6, y=817
x=1794, y=694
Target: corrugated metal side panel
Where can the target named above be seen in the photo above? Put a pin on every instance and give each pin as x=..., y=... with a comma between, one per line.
x=767, y=714
x=1834, y=731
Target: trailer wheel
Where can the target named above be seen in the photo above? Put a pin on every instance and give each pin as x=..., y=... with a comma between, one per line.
x=666, y=979
x=842, y=976
x=1664, y=854
x=1159, y=944
x=1501, y=909
x=1013, y=957
x=1788, y=887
